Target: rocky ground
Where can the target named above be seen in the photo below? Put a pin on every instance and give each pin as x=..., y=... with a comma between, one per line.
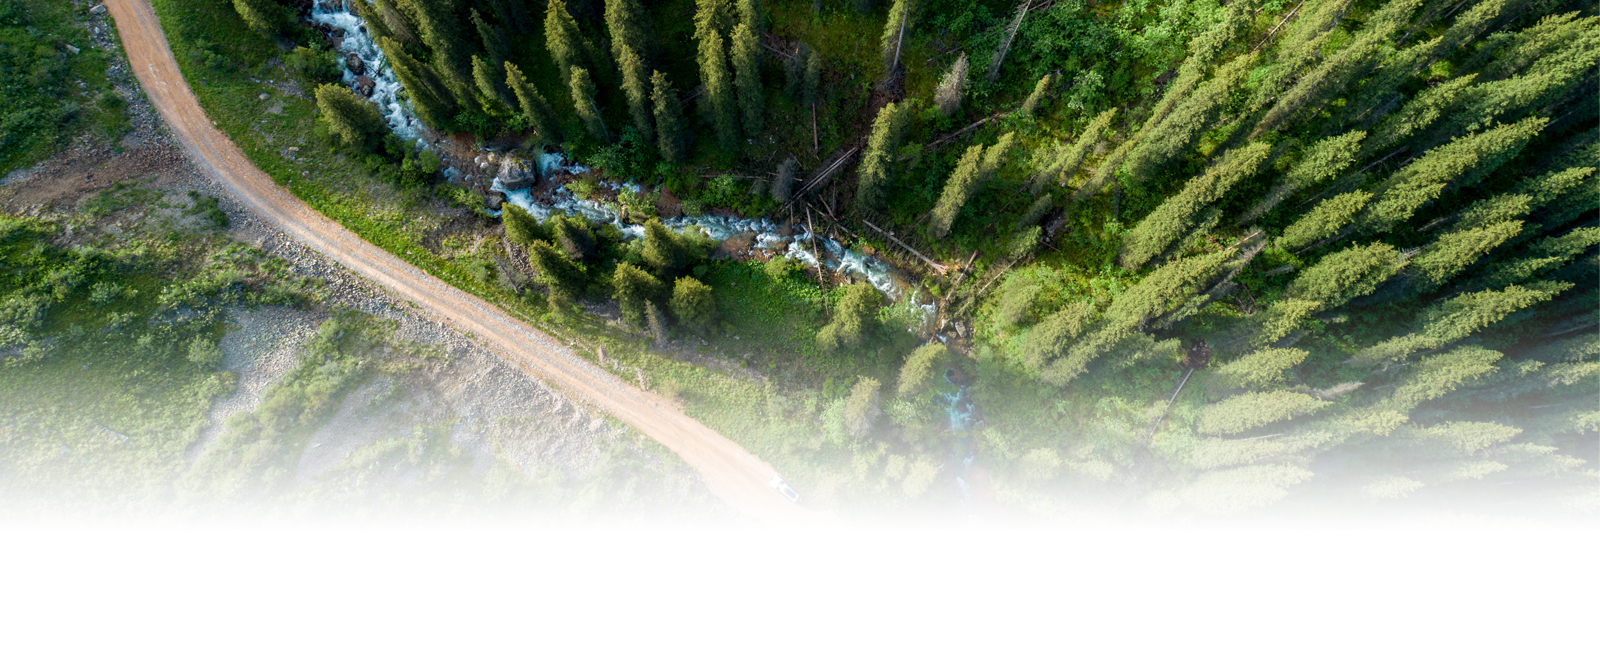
x=487, y=407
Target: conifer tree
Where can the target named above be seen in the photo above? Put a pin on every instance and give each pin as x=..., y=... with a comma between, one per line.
x=664, y=250
x=583, y=103
x=1325, y=220
x=974, y=170
x=876, y=161
x=901, y=20
x=561, y=275
x=861, y=408
x=783, y=183
x=1176, y=216
x=1453, y=252
x=265, y=16
x=1189, y=119
x=1529, y=195
x=433, y=101
x=1167, y=288
x=1031, y=104
x=813, y=78
x=1320, y=162
x=747, y=76
x=754, y=14
x=1461, y=162
x=627, y=23
x=1245, y=412
x=656, y=324
x=1346, y=275
x=1300, y=46
x=1054, y=336
x=574, y=237
x=1543, y=256
x=493, y=40
x=535, y=109
x=948, y=95
x=855, y=318
x=1379, y=88
x=513, y=14
x=711, y=17
x=391, y=23
x=1440, y=374
x=357, y=123
x=1335, y=72
x=488, y=80
x=1016, y=304
x=1066, y=163
x=1261, y=369
x=633, y=288
x=635, y=85
x=1417, y=114
x=718, y=103
x=563, y=40
x=1457, y=318
x=920, y=368
x=521, y=228
x=451, y=58
x=669, y=129
x=692, y=304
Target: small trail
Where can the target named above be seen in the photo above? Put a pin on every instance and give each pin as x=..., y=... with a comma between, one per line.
x=732, y=473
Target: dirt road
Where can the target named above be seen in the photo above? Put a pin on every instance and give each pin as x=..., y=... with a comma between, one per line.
x=732, y=473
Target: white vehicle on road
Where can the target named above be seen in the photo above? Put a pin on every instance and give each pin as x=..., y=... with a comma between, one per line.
x=783, y=488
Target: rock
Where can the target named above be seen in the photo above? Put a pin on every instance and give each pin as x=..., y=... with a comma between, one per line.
x=98, y=9
x=357, y=67
x=73, y=49
x=263, y=96
x=365, y=86
x=517, y=174
x=494, y=199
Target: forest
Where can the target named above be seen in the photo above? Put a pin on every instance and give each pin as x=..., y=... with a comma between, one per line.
x=1186, y=256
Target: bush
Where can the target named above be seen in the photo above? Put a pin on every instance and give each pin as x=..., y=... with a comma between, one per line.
x=317, y=66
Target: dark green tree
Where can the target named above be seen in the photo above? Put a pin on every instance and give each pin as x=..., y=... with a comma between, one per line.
x=535, y=110
x=429, y=95
x=583, y=103
x=920, y=369
x=564, y=278
x=521, y=228
x=634, y=288
x=877, y=160
x=356, y=122
x=747, y=77
x=1177, y=216
x=669, y=124
x=719, y=103
x=855, y=318
x=264, y=16
x=636, y=87
x=976, y=168
x=692, y=304
x=664, y=250
x=1065, y=165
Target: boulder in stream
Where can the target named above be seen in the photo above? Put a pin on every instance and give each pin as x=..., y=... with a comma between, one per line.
x=494, y=200
x=517, y=174
x=357, y=67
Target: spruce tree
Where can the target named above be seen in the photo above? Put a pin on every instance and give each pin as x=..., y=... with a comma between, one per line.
x=783, y=183
x=1031, y=104
x=1529, y=195
x=635, y=85
x=564, y=278
x=1066, y=163
x=664, y=250
x=1262, y=369
x=1346, y=275
x=669, y=129
x=813, y=78
x=493, y=40
x=1176, y=217
x=719, y=103
x=513, y=14
x=901, y=20
x=1189, y=119
x=1437, y=375
x=711, y=17
x=1299, y=48
x=861, y=408
x=535, y=109
x=1457, y=318
x=692, y=304
x=354, y=120
x=452, y=58
x=656, y=322
x=394, y=25
x=486, y=76
x=1321, y=161
x=583, y=103
x=1325, y=220
x=628, y=25
x=521, y=228
x=920, y=369
x=1461, y=162
x=974, y=170
x=948, y=95
x=574, y=237
x=1053, y=336
x=265, y=16
x=754, y=14
x=1242, y=413
x=1546, y=255
x=433, y=101
x=1417, y=114
x=855, y=318
x=877, y=159
x=563, y=40
x=747, y=76
x=633, y=288
x=1453, y=252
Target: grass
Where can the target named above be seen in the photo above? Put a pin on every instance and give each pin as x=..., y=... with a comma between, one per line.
x=48, y=94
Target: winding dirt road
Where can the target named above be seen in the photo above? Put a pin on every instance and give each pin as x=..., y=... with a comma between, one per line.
x=732, y=473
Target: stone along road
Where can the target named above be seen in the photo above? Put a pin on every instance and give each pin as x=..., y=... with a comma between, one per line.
x=732, y=473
